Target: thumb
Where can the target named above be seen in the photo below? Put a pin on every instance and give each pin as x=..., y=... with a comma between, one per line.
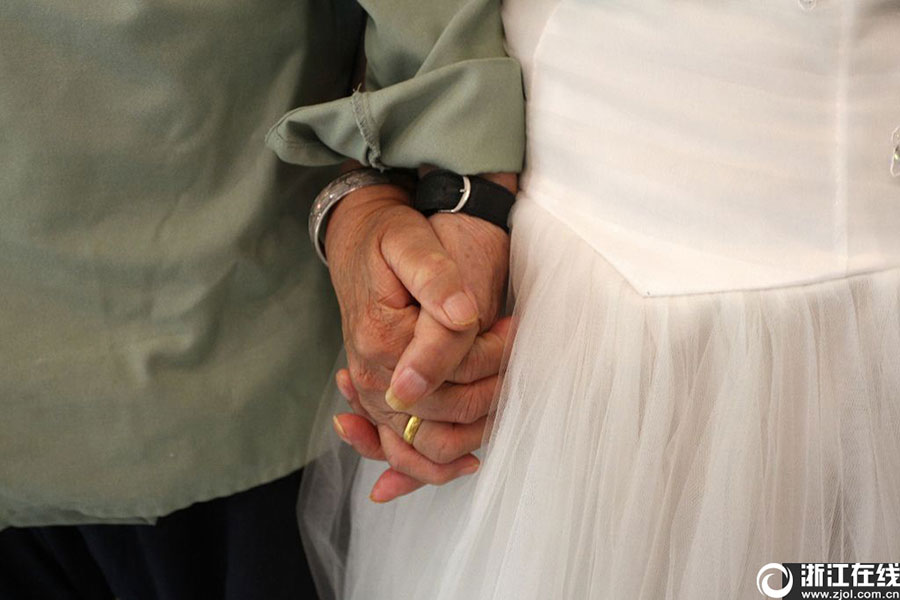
x=415, y=255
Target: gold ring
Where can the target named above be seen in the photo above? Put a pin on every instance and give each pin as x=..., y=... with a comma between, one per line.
x=412, y=427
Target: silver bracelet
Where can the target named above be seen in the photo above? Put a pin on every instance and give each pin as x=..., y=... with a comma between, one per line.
x=333, y=193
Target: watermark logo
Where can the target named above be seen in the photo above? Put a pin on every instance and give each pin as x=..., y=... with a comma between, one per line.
x=762, y=580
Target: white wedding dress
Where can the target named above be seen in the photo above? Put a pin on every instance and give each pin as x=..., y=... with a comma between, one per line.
x=705, y=375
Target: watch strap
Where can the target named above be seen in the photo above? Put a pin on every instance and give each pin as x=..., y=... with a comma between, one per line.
x=446, y=191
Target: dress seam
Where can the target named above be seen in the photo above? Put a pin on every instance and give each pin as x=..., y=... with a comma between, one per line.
x=648, y=296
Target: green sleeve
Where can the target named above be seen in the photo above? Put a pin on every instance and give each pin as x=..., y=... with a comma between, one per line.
x=440, y=90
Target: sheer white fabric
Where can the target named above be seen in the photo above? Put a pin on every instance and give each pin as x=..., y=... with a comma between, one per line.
x=648, y=448
x=705, y=374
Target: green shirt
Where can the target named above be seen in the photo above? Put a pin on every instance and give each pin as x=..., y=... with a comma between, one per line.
x=165, y=328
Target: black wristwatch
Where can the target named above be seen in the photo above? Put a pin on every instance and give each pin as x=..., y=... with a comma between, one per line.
x=446, y=191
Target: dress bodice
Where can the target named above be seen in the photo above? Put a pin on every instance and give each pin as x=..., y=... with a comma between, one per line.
x=705, y=146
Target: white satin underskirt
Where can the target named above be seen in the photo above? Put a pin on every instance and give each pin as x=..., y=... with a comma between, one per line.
x=643, y=448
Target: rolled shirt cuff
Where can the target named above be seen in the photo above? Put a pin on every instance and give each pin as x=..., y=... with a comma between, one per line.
x=467, y=117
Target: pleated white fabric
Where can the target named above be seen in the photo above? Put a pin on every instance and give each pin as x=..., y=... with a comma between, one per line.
x=647, y=448
x=705, y=372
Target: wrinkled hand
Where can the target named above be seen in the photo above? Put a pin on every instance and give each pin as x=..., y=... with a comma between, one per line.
x=414, y=298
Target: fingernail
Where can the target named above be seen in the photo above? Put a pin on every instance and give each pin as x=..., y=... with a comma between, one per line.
x=406, y=390
x=374, y=497
x=339, y=429
x=460, y=309
x=393, y=401
x=471, y=468
x=345, y=385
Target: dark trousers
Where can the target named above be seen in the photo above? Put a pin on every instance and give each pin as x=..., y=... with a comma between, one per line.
x=241, y=547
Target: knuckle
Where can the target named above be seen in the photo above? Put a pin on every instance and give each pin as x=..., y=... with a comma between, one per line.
x=384, y=335
x=425, y=474
x=405, y=466
x=365, y=379
x=376, y=412
x=368, y=342
x=442, y=477
x=471, y=365
x=435, y=263
x=397, y=463
x=471, y=405
x=433, y=267
x=444, y=450
x=374, y=315
x=397, y=422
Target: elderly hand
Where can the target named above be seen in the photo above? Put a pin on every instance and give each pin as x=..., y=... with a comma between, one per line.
x=384, y=258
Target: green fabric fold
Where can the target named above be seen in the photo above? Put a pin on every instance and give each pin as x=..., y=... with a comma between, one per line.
x=467, y=117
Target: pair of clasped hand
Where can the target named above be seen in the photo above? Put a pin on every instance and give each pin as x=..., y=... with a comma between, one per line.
x=420, y=299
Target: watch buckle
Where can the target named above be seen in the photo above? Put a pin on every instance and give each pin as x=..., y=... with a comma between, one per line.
x=465, y=192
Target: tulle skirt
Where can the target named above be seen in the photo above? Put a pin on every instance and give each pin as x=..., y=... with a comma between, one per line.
x=642, y=448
